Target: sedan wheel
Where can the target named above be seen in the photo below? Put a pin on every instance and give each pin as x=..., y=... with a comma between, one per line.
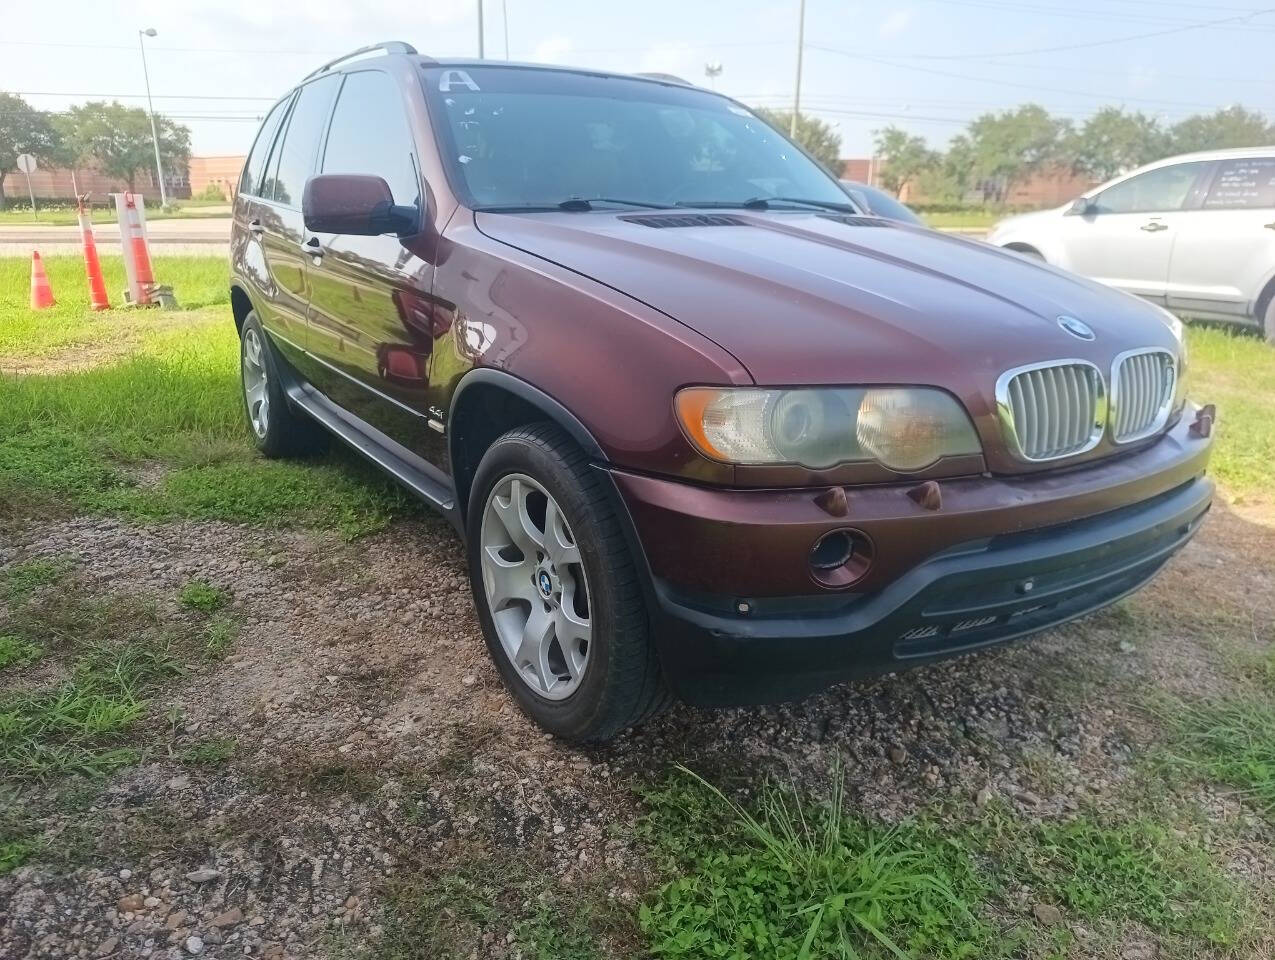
x=256, y=390
x=536, y=587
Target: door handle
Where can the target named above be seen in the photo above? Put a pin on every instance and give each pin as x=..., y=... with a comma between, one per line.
x=255, y=226
x=1269, y=226
x=1155, y=226
x=312, y=247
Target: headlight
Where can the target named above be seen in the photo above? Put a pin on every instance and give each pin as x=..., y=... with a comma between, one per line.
x=904, y=428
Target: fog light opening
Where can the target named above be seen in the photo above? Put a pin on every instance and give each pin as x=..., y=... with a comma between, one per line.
x=840, y=558
x=832, y=550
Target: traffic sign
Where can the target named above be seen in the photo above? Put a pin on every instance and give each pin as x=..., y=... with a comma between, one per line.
x=26, y=163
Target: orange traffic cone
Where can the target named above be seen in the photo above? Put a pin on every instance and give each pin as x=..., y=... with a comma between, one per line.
x=92, y=266
x=41, y=292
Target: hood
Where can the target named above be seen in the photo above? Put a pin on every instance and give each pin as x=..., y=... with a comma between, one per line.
x=808, y=298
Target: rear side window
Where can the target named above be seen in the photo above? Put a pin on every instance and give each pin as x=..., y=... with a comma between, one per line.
x=1242, y=185
x=1156, y=191
x=254, y=167
x=369, y=135
x=295, y=160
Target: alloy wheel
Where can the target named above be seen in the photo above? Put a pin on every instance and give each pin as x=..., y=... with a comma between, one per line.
x=256, y=394
x=535, y=586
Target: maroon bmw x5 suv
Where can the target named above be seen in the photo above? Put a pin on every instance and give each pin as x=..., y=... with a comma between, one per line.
x=707, y=429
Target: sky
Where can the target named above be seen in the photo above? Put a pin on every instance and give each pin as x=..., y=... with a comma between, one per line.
x=926, y=65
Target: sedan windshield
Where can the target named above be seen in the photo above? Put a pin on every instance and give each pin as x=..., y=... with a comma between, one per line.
x=525, y=138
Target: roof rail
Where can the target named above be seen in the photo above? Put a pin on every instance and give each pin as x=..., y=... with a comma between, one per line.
x=389, y=46
x=665, y=78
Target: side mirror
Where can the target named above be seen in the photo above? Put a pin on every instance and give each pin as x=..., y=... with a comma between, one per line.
x=354, y=204
x=1082, y=205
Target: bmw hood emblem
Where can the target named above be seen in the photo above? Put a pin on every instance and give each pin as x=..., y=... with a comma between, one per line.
x=1077, y=328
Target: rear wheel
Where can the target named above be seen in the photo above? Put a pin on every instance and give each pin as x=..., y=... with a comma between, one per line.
x=277, y=429
x=557, y=591
x=1268, y=321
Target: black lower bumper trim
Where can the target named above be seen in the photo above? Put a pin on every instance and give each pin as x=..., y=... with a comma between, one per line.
x=968, y=597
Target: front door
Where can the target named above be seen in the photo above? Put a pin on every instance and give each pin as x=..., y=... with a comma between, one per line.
x=370, y=320
x=277, y=217
x=1126, y=237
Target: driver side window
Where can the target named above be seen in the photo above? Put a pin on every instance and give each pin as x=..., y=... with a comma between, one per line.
x=1157, y=191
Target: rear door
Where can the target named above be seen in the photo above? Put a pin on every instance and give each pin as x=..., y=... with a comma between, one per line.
x=369, y=317
x=247, y=251
x=1126, y=238
x=279, y=213
x=1226, y=246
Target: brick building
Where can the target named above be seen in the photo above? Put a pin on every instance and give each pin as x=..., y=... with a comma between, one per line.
x=220, y=171
x=1048, y=188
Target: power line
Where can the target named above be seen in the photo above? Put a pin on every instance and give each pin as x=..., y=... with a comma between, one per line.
x=1204, y=24
x=135, y=96
x=998, y=82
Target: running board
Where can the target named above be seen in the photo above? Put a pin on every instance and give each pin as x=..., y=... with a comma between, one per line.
x=395, y=459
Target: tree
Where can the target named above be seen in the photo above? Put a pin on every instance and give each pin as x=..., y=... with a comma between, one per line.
x=23, y=129
x=1112, y=141
x=117, y=139
x=1229, y=127
x=904, y=157
x=1009, y=146
x=817, y=137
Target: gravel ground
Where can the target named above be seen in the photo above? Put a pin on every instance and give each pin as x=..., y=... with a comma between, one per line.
x=373, y=737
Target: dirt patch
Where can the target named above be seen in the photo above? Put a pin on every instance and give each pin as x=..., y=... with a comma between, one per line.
x=356, y=733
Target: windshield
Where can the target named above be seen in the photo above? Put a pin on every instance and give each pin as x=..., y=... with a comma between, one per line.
x=519, y=137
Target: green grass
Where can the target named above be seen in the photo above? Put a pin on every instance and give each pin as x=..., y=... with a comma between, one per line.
x=441, y=917
x=203, y=596
x=78, y=726
x=187, y=209
x=19, y=581
x=786, y=879
x=17, y=651
x=88, y=440
x=112, y=652
x=964, y=219
x=777, y=876
x=210, y=753
x=219, y=635
x=1231, y=739
x=1236, y=371
x=196, y=282
x=1126, y=871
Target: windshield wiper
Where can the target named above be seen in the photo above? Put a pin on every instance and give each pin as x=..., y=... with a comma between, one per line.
x=571, y=205
x=767, y=203
x=582, y=204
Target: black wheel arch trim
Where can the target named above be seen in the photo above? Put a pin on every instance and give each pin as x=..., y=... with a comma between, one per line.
x=552, y=409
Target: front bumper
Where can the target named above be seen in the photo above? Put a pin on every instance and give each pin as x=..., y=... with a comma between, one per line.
x=1028, y=555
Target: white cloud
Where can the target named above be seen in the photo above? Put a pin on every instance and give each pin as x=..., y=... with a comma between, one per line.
x=895, y=23
x=552, y=50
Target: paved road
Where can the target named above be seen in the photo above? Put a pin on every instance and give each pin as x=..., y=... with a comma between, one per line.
x=203, y=235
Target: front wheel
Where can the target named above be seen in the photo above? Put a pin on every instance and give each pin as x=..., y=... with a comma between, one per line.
x=557, y=590
x=1268, y=321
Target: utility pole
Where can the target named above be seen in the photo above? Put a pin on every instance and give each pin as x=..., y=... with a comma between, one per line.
x=480, y=29
x=159, y=167
x=504, y=19
x=801, y=43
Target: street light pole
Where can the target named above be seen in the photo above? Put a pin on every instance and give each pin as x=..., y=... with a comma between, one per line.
x=801, y=44
x=504, y=19
x=480, y=29
x=159, y=167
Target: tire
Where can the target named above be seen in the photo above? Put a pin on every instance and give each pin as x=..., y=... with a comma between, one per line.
x=276, y=428
x=528, y=481
x=1268, y=321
